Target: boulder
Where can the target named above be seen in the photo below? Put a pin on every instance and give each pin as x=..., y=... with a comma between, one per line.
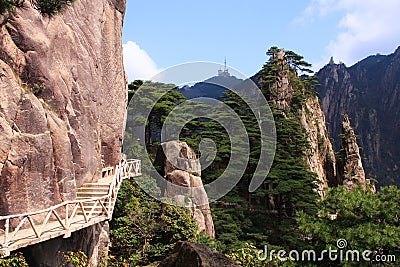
x=182, y=170
x=177, y=155
x=186, y=254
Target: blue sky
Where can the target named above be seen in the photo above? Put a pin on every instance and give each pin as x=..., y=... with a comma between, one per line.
x=160, y=34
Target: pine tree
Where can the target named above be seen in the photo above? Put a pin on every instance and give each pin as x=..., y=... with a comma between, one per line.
x=290, y=186
x=160, y=98
x=367, y=221
x=46, y=7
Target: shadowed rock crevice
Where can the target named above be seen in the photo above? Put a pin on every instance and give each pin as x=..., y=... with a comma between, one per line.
x=93, y=241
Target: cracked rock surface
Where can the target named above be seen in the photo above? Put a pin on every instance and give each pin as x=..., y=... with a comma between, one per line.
x=62, y=101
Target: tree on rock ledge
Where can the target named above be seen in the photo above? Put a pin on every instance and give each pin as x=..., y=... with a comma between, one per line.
x=46, y=7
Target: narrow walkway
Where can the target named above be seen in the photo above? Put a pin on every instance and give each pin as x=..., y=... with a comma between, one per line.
x=95, y=203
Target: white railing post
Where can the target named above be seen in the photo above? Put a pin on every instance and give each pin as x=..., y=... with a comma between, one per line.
x=66, y=215
x=131, y=168
x=7, y=230
x=123, y=170
x=137, y=167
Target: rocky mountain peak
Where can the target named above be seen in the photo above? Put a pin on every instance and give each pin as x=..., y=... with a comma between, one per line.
x=320, y=154
x=331, y=62
x=350, y=171
x=283, y=94
x=369, y=92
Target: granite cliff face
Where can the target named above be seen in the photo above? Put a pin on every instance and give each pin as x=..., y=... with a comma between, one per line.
x=282, y=93
x=350, y=169
x=62, y=101
x=369, y=92
x=320, y=155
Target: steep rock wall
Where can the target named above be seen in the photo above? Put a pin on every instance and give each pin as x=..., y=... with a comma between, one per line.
x=350, y=170
x=369, y=92
x=62, y=101
x=320, y=155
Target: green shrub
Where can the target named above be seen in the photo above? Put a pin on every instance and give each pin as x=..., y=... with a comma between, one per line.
x=143, y=230
x=50, y=7
x=15, y=260
x=74, y=258
x=247, y=257
x=10, y=5
x=46, y=7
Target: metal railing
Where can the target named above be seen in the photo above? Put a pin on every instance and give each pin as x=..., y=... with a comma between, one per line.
x=20, y=230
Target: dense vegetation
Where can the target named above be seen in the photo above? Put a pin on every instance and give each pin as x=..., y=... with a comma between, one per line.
x=367, y=221
x=46, y=7
x=15, y=260
x=267, y=216
x=143, y=229
x=284, y=213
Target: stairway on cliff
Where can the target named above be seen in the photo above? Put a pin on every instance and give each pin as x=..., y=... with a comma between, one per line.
x=94, y=190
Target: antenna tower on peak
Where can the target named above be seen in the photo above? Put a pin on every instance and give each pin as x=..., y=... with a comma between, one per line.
x=225, y=72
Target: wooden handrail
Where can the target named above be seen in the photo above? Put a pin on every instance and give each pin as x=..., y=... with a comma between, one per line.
x=125, y=169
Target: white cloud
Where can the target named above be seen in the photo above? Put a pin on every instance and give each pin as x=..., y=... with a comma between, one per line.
x=138, y=64
x=366, y=27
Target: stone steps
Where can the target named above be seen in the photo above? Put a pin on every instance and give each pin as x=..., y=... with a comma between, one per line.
x=92, y=190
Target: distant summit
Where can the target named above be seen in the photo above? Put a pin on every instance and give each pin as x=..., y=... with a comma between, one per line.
x=213, y=87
